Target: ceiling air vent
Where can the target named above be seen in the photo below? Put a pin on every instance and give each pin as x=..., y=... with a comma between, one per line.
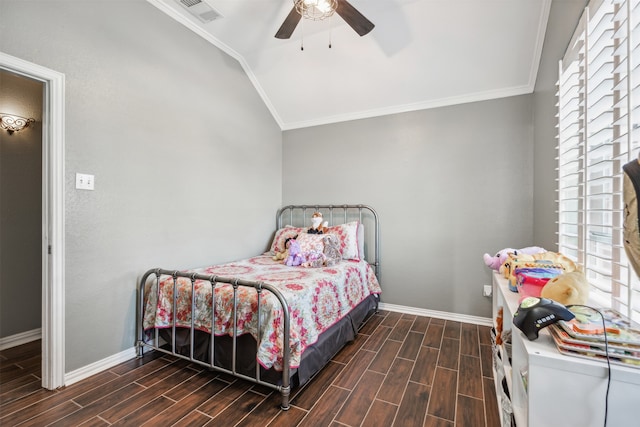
x=200, y=10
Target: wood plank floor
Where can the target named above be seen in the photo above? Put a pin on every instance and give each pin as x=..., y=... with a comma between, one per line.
x=402, y=370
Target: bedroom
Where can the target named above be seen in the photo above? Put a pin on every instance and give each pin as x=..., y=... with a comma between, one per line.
x=128, y=120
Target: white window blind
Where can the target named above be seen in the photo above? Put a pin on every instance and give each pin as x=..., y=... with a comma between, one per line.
x=598, y=132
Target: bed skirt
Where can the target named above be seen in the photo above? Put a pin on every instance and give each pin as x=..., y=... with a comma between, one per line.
x=314, y=358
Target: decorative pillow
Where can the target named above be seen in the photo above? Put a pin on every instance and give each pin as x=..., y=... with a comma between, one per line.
x=361, y=241
x=348, y=235
x=283, y=234
x=311, y=243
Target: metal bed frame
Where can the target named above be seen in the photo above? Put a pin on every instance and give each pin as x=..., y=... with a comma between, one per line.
x=296, y=214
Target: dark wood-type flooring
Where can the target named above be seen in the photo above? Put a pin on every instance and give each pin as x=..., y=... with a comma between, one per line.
x=402, y=370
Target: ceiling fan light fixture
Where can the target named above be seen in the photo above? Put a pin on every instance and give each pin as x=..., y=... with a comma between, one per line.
x=316, y=10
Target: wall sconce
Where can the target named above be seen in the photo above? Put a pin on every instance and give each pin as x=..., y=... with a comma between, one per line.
x=12, y=123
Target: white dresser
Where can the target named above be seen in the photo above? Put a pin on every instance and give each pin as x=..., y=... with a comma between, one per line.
x=560, y=390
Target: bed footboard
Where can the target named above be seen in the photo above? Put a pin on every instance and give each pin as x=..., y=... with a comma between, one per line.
x=153, y=342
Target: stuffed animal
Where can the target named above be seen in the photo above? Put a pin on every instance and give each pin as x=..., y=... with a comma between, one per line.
x=494, y=262
x=314, y=259
x=567, y=288
x=331, y=250
x=317, y=225
x=281, y=256
x=541, y=260
x=557, y=258
x=295, y=256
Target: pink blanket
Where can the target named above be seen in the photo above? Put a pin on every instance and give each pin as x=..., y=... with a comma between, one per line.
x=317, y=298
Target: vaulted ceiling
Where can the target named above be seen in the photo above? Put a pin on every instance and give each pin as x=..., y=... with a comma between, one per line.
x=421, y=54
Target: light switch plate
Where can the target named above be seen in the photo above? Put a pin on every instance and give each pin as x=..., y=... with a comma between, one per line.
x=84, y=181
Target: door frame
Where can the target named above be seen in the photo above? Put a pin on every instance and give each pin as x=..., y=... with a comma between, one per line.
x=53, y=219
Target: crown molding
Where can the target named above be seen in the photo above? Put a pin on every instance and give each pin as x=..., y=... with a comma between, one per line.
x=358, y=115
x=397, y=109
x=537, y=54
x=196, y=28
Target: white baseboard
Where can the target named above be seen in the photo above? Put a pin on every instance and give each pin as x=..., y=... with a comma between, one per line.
x=99, y=366
x=484, y=321
x=128, y=354
x=21, y=338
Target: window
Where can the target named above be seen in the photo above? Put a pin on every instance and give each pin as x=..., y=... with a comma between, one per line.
x=599, y=132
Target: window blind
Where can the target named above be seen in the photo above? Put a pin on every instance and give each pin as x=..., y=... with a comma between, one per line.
x=598, y=121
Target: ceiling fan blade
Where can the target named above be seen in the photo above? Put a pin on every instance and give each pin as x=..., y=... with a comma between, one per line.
x=290, y=23
x=355, y=19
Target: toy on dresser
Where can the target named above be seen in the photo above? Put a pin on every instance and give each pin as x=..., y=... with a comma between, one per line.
x=494, y=262
x=567, y=288
x=549, y=275
x=531, y=280
x=555, y=262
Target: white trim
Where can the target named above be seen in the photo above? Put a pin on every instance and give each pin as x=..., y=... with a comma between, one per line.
x=20, y=338
x=192, y=25
x=537, y=55
x=53, y=169
x=130, y=353
x=397, y=109
x=464, y=318
x=99, y=366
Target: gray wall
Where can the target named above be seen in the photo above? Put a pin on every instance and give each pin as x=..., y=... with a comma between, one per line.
x=186, y=157
x=152, y=109
x=20, y=208
x=449, y=184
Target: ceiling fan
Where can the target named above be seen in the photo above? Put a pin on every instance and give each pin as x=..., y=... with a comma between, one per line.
x=321, y=9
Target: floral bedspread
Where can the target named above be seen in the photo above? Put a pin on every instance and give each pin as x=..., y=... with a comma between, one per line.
x=317, y=298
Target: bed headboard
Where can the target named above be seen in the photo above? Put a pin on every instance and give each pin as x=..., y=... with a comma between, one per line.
x=300, y=216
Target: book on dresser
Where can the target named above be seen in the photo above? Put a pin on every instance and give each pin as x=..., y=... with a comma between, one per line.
x=596, y=333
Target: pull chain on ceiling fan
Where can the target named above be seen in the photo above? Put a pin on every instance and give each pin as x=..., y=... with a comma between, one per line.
x=320, y=9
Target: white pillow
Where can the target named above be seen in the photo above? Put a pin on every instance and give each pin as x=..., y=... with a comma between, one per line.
x=361, y=241
x=348, y=236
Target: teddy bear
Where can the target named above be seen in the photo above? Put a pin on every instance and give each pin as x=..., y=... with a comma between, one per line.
x=281, y=256
x=295, y=257
x=317, y=225
x=494, y=262
x=567, y=288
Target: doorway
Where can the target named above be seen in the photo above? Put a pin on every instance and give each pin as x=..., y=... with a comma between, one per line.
x=20, y=210
x=52, y=248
